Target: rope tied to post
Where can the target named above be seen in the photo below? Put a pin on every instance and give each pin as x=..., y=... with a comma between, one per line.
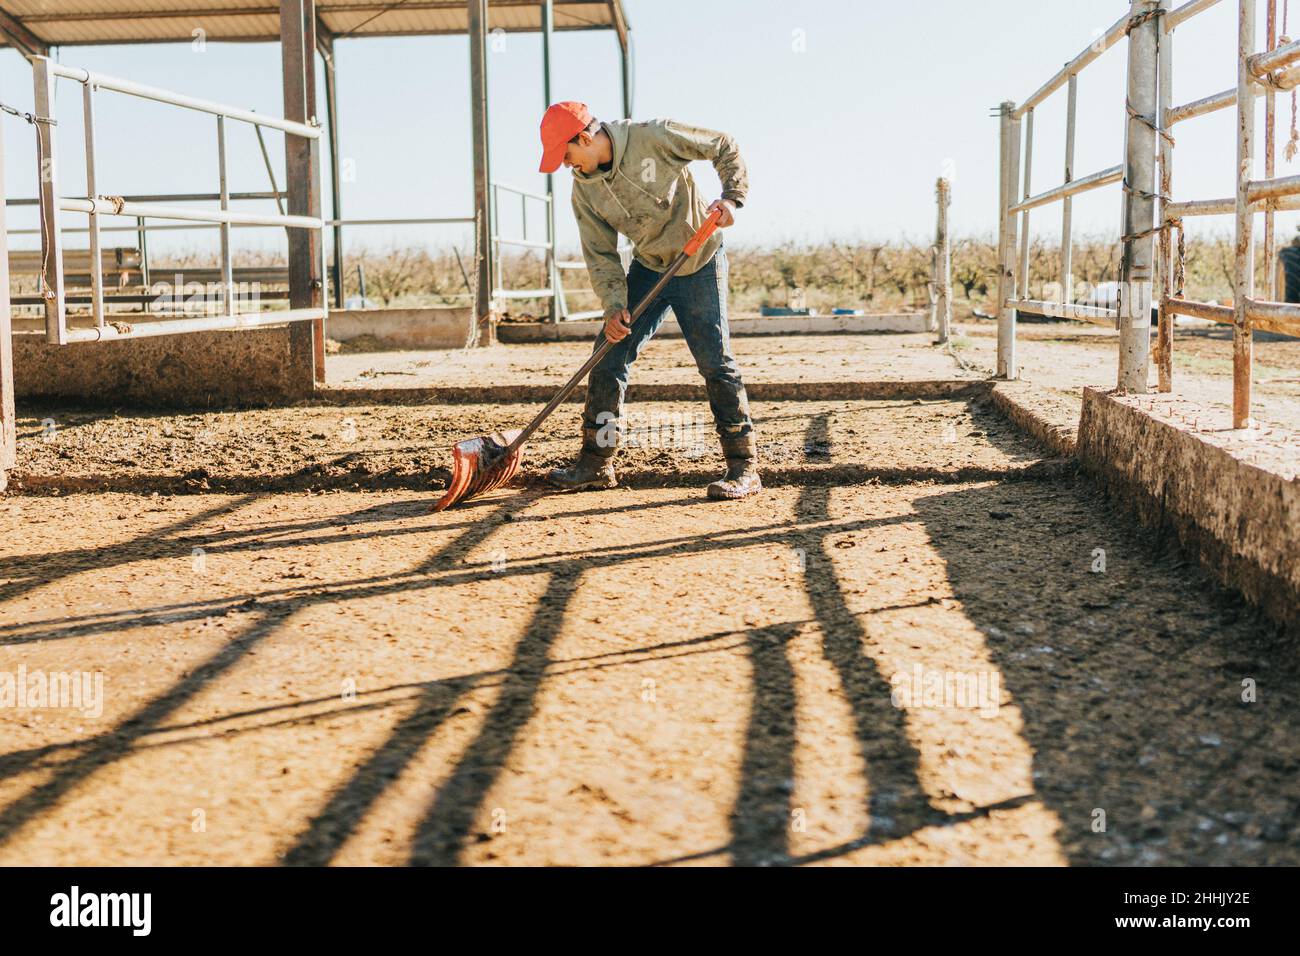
x=1149, y=123
x=1180, y=264
x=118, y=203
x=1143, y=194
x=1141, y=18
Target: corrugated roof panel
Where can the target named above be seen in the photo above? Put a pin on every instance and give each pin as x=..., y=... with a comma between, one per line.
x=45, y=9
x=126, y=21
x=243, y=27
x=398, y=21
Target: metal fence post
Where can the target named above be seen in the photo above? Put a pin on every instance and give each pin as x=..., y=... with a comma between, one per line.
x=92, y=191
x=8, y=437
x=51, y=280
x=484, y=210
x=1009, y=180
x=1270, y=166
x=943, y=262
x=227, y=269
x=552, y=270
x=1139, y=199
x=1067, y=204
x=1244, y=267
x=1022, y=280
x=1165, y=330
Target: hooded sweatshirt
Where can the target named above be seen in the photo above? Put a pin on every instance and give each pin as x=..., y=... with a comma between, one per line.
x=649, y=195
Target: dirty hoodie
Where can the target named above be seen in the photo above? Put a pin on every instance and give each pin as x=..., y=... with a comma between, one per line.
x=650, y=196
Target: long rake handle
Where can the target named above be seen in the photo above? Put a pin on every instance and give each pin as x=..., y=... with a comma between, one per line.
x=693, y=246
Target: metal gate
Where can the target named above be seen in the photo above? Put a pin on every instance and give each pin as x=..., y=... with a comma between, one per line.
x=1149, y=208
x=96, y=205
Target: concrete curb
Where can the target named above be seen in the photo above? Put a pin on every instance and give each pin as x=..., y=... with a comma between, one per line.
x=516, y=333
x=1232, y=500
x=651, y=392
x=1050, y=417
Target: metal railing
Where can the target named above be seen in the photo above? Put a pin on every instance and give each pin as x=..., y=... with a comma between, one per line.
x=1258, y=73
x=554, y=291
x=522, y=241
x=95, y=205
x=1149, y=210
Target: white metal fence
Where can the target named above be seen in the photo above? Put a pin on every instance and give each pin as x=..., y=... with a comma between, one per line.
x=1149, y=208
x=95, y=205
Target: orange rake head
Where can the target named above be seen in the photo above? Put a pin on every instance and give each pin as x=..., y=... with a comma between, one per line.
x=479, y=465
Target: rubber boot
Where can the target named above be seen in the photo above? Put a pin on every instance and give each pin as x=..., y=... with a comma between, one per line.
x=741, y=479
x=593, y=469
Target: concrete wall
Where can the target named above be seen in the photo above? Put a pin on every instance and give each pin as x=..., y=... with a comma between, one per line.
x=433, y=328
x=237, y=367
x=1232, y=499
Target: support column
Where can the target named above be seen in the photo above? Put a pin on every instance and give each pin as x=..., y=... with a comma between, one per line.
x=1138, y=259
x=627, y=83
x=302, y=167
x=624, y=34
x=336, y=189
x=1244, y=268
x=486, y=317
x=8, y=438
x=553, y=271
x=1009, y=179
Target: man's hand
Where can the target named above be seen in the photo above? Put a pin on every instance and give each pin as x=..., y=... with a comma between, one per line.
x=618, y=323
x=728, y=208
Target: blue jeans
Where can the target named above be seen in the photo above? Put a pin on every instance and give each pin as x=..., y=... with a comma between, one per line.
x=699, y=301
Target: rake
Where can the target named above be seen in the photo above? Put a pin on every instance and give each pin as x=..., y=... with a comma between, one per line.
x=481, y=464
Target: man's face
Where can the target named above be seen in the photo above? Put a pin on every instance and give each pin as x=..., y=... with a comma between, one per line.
x=583, y=155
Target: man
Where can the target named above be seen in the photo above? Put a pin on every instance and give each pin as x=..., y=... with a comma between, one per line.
x=633, y=178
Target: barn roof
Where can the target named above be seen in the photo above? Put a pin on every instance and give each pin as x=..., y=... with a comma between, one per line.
x=39, y=23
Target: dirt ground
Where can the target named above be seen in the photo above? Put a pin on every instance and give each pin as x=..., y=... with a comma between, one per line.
x=838, y=358
x=926, y=669
x=636, y=677
x=397, y=446
x=927, y=643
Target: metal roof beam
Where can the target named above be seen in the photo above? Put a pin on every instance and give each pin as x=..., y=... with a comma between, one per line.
x=620, y=23
x=20, y=38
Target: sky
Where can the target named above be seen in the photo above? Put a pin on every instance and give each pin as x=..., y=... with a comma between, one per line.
x=846, y=111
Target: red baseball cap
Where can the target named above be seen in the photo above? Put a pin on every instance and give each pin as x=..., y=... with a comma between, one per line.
x=561, y=122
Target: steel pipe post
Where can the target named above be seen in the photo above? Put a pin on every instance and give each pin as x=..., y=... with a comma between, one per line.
x=1270, y=165
x=1165, y=330
x=1022, y=282
x=484, y=247
x=1067, y=204
x=1244, y=264
x=554, y=306
x=1009, y=180
x=227, y=267
x=336, y=188
x=8, y=433
x=51, y=279
x=96, y=264
x=1139, y=199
